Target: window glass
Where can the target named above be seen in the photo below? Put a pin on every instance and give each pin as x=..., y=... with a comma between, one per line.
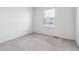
x=49, y=17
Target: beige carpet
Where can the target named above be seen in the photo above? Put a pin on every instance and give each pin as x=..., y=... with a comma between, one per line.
x=38, y=42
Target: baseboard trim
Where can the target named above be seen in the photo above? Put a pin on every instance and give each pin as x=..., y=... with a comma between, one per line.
x=53, y=36
x=15, y=38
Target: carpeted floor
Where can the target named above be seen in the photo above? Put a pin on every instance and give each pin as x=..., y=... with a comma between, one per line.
x=39, y=42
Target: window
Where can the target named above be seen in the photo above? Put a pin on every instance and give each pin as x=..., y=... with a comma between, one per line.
x=49, y=17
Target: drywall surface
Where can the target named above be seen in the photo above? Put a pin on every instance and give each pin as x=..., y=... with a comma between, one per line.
x=15, y=22
x=77, y=25
x=64, y=23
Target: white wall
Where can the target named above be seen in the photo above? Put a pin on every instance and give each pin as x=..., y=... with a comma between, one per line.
x=77, y=25
x=15, y=22
x=64, y=25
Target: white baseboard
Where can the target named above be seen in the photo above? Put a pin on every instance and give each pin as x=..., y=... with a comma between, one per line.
x=77, y=41
x=14, y=37
x=54, y=36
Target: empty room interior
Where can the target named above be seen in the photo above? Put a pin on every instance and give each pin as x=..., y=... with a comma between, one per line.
x=39, y=28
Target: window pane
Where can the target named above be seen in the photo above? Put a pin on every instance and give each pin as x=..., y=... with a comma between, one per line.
x=49, y=13
x=49, y=17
